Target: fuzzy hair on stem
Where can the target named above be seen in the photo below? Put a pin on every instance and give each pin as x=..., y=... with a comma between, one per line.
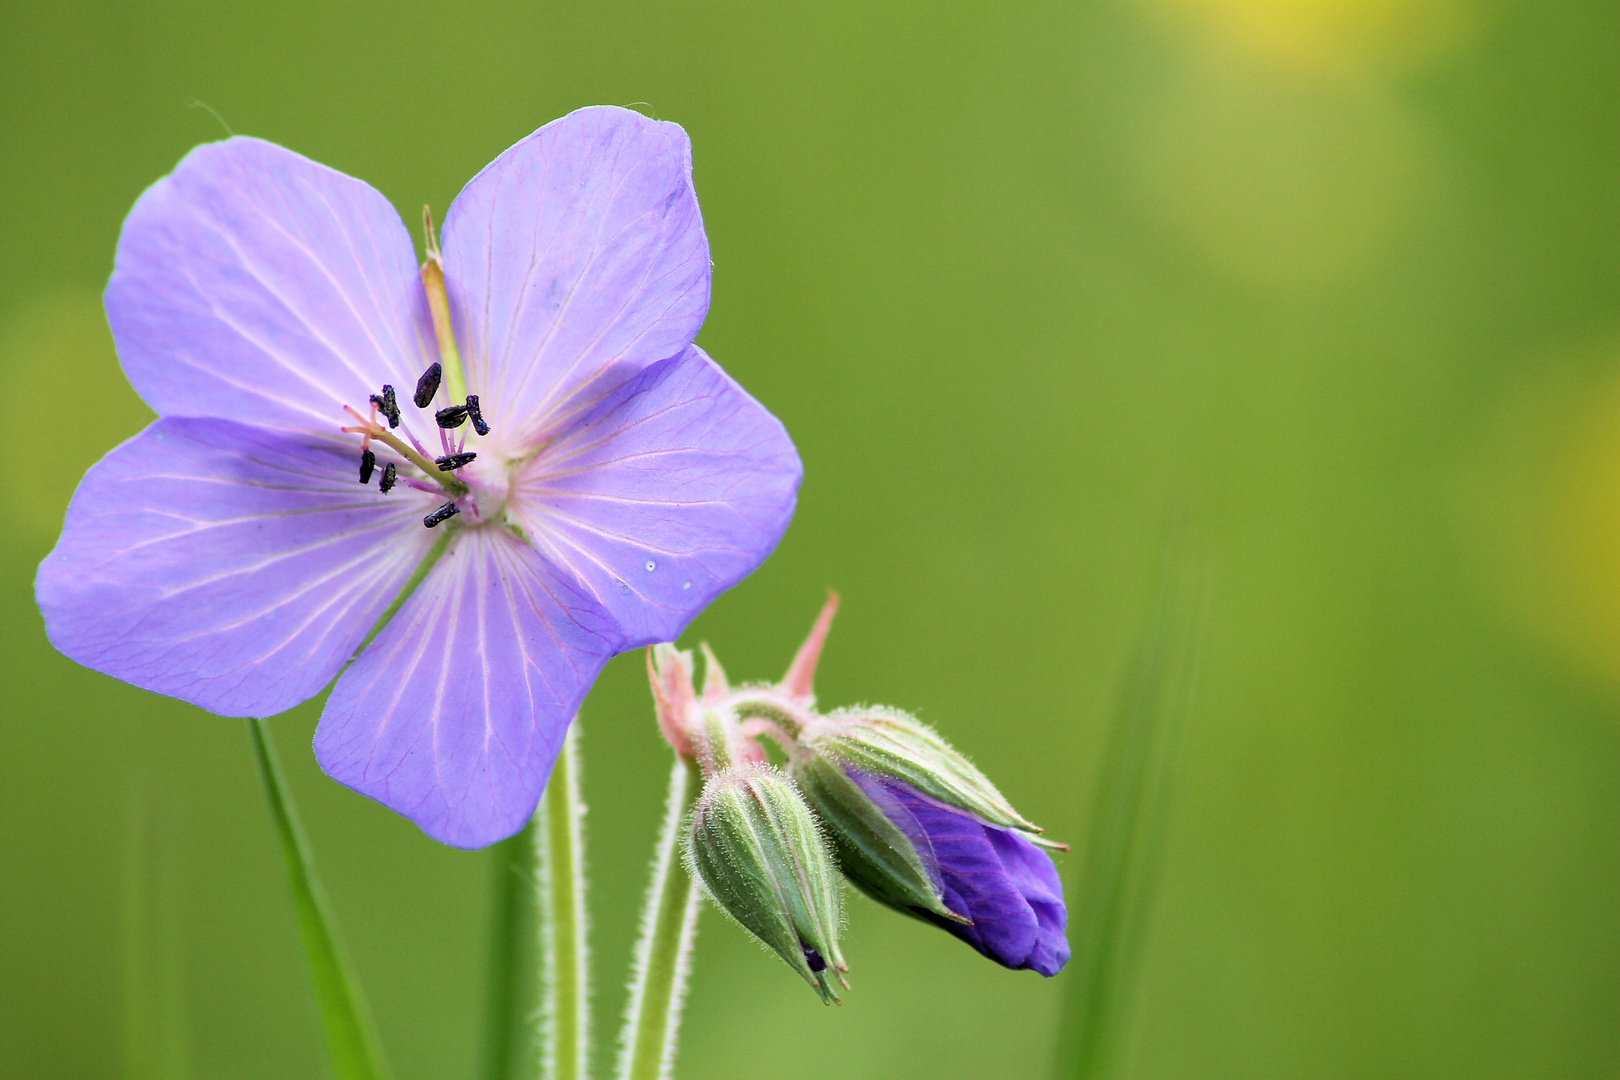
x=663, y=956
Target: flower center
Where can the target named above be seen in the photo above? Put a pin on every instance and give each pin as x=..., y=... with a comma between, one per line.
x=417, y=466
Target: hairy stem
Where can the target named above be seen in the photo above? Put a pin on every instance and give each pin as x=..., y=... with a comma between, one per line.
x=350, y=1039
x=510, y=1050
x=565, y=966
x=652, y=1018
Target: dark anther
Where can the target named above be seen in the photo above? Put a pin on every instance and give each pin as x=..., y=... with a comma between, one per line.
x=475, y=416
x=443, y=513
x=452, y=462
x=451, y=416
x=387, y=482
x=813, y=958
x=428, y=385
x=368, y=461
x=387, y=404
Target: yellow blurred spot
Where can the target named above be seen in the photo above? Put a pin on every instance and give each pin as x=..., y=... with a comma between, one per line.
x=1543, y=513
x=70, y=401
x=1282, y=183
x=1331, y=36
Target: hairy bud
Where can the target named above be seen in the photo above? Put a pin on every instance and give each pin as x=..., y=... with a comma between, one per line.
x=917, y=828
x=888, y=743
x=755, y=847
x=873, y=851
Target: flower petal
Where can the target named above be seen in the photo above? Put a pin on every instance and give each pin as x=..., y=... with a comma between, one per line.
x=664, y=495
x=993, y=876
x=574, y=260
x=234, y=567
x=454, y=715
x=1031, y=871
x=257, y=285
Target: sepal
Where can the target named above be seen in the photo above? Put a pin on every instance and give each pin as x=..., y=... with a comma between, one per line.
x=889, y=743
x=875, y=855
x=669, y=670
x=755, y=847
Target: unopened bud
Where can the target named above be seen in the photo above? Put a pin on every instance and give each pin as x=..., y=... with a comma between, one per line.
x=890, y=744
x=873, y=848
x=754, y=845
x=919, y=829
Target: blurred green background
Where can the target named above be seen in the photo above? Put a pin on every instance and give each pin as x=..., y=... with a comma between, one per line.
x=1342, y=275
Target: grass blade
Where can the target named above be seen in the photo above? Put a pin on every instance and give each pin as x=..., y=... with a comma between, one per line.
x=1121, y=860
x=350, y=1040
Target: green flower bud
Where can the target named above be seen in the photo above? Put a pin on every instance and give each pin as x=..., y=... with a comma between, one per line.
x=754, y=845
x=873, y=853
x=888, y=743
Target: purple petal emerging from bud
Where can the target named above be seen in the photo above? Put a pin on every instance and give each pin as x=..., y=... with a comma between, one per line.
x=996, y=877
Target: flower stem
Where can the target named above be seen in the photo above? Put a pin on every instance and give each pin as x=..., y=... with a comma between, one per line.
x=652, y=1017
x=565, y=967
x=350, y=1039
x=512, y=997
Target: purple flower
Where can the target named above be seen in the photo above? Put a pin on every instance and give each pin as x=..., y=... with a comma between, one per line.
x=585, y=484
x=995, y=877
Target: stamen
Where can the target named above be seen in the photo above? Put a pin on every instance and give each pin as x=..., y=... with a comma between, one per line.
x=443, y=513
x=476, y=416
x=386, y=484
x=428, y=384
x=387, y=404
x=368, y=462
x=452, y=462
x=451, y=416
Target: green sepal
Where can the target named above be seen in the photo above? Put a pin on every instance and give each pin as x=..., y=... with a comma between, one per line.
x=755, y=847
x=888, y=743
x=873, y=853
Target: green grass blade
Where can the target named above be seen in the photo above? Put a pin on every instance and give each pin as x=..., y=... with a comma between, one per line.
x=1122, y=855
x=351, y=1042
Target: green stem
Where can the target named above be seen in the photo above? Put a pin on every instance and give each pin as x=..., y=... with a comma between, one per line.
x=652, y=1017
x=512, y=996
x=565, y=972
x=350, y=1040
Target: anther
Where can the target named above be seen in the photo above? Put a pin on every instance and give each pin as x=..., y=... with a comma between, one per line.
x=387, y=482
x=387, y=404
x=451, y=416
x=368, y=462
x=428, y=384
x=443, y=513
x=475, y=415
x=452, y=462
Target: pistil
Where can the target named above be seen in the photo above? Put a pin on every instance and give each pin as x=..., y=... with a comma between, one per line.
x=439, y=305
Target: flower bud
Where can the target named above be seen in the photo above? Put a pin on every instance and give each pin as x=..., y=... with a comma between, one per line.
x=872, y=850
x=755, y=847
x=888, y=743
x=917, y=828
